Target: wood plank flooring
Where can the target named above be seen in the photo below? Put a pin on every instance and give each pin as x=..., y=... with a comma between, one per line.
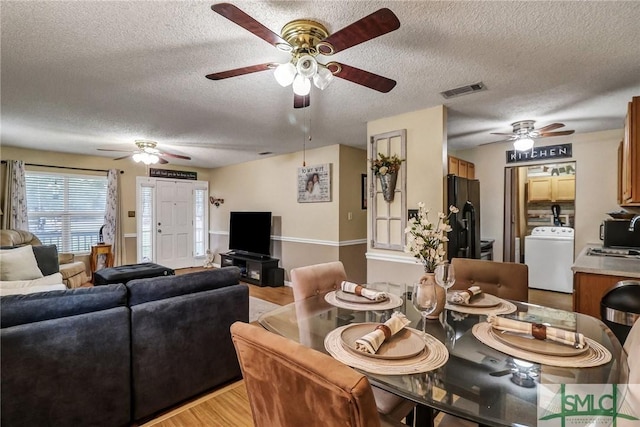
x=229, y=405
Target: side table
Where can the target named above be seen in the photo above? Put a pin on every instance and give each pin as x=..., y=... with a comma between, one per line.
x=99, y=250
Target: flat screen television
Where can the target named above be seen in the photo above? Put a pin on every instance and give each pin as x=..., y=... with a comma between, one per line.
x=250, y=233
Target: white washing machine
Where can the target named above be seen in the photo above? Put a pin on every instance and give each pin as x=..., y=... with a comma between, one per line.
x=548, y=252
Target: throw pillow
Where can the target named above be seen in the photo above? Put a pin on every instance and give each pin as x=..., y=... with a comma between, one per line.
x=53, y=279
x=47, y=258
x=19, y=264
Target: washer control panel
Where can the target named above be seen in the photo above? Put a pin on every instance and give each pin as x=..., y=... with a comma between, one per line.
x=553, y=231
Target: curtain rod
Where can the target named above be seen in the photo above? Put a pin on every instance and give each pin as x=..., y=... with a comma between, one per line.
x=65, y=167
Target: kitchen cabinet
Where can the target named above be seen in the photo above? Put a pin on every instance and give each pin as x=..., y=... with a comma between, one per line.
x=461, y=168
x=552, y=188
x=630, y=162
x=588, y=290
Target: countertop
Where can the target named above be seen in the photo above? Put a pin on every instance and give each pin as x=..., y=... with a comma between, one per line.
x=610, y=266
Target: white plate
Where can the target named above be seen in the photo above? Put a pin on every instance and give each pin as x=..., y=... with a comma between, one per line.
x=403, y=345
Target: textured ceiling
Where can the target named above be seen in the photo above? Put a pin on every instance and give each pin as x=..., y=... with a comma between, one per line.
x=80, y=75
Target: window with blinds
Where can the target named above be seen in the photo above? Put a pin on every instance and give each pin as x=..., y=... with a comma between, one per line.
x=146, y=220
x=66, y=210
x=200, y=235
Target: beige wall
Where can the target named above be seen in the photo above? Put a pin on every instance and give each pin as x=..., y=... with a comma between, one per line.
x=303, y=233
x=425, y=162
x=596, y=156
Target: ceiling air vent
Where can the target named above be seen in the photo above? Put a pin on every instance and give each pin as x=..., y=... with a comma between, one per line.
x=463, y=90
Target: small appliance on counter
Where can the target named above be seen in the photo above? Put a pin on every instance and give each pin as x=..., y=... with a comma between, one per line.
x=615, y=233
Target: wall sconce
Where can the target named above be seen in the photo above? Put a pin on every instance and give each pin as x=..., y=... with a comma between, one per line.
x=216, y=202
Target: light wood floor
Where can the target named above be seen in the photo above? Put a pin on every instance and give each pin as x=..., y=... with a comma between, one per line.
x=229, y=405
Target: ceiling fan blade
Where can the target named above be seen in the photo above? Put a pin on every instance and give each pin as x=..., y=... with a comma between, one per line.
x=364, y=78
x=123, y=157
x=560, y=133
x=121, y=151
x=237, y=16
x=378, y=23
x=500, y=133
x=239, y=71
x=301, y=101
x=177, y=156
x=552, y=126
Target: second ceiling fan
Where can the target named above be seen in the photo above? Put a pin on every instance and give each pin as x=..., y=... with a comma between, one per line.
x=524, y=133
x=306, y=39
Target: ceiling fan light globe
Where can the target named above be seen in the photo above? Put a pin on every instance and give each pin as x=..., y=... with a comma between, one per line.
x=285, y=73
x=307, y=66
x=137, y=157
x=301, y=85
x=523, y=144
x=323, y=78
x=153, y=159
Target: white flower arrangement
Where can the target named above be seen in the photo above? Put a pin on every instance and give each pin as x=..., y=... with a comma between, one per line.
x=425, y=240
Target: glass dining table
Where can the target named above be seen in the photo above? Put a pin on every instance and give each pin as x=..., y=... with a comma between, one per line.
x=477, y=383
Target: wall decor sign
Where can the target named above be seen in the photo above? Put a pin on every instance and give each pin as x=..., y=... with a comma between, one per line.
x=560, y=151
x=166, y=173
x=314, y=183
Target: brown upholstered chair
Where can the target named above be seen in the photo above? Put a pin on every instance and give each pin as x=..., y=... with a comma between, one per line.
x=73, y=272
x=290, y=385
x=503, y=279
x=319, y=279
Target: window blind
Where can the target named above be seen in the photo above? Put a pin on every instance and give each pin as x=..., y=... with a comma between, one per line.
x=66, y=209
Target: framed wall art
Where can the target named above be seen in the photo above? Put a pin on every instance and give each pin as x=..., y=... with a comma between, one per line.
x=314, y=183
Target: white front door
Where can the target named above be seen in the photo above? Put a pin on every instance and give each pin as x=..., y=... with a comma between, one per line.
x=174, y=224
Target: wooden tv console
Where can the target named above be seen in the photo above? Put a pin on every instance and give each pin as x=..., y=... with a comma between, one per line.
x=253, y=269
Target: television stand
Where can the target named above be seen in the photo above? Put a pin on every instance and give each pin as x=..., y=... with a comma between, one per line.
x=253, y=268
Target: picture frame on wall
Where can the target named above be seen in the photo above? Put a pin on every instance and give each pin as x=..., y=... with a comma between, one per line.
x=363, y=191
x=314, y=183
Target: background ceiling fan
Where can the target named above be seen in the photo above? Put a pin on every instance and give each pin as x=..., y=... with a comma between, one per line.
x=524, y=133
x=147, y=153
x=306, y=39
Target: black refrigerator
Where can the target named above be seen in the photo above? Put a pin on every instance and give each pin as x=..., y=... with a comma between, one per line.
x=464, y=238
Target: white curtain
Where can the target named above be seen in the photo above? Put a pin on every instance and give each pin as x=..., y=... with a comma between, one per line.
x=111, y=231
x=15, y=197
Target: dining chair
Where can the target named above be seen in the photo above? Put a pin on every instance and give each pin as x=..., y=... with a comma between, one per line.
x=290, y=385
x=312, y=280
x=506, y=280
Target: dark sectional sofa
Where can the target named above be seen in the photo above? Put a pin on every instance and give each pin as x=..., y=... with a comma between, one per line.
x=116, y=354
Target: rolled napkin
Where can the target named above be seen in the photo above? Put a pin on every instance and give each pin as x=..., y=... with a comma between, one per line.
x=354, y=288
x=371, y=342
x=537, y=330
x=463, y=297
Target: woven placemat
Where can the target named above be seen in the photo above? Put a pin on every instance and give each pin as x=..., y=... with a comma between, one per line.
x=435, y=356
x=505, y=307
x=393, y=302
x=596, y=355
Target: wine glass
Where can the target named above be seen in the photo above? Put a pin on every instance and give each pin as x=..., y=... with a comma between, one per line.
x=445, y=277
x=424, y=300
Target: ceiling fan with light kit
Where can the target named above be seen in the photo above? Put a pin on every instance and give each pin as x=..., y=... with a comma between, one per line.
x=147, y=153
x=524, y=133
x=305, y=39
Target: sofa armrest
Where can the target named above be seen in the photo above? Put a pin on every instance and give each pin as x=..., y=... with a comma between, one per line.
x=74, y=274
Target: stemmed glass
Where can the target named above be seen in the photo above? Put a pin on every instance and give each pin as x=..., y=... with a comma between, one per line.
x=445, y=277
x=424, y=300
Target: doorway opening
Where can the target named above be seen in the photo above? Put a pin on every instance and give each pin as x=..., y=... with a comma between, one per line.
x=536, y=196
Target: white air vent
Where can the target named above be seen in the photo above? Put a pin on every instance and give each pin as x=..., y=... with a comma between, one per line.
x=463, y=90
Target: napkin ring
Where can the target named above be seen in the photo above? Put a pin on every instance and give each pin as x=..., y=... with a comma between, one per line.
x=386, y=330
x=539, y=331
x=358, y=290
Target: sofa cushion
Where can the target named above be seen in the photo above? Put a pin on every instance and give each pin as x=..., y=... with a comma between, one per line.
x=158, y=288
x=30, y=308
x=52, y=282
x=19, y=264
x=47, y=258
